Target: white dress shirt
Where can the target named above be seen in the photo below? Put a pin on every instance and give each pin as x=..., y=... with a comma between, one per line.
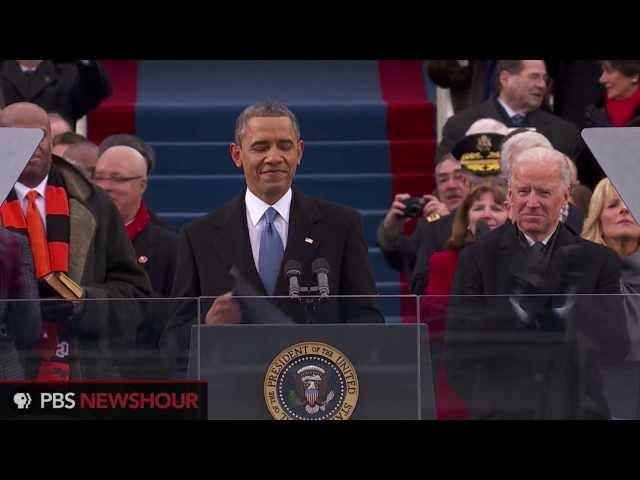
x=531, y=241
x=256, y=221
x=22, y=191
x=507, y=109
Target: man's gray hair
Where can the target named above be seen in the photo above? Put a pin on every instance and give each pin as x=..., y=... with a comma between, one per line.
x=538, y=155
x=264, y=109
x=517, y=144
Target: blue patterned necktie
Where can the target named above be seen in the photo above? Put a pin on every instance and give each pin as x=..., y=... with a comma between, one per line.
x=517, y=120
x=271, y=252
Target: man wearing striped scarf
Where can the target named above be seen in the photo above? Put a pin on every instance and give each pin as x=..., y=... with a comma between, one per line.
x=74, y=230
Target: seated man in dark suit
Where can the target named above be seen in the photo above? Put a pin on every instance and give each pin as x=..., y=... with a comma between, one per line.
x=64, y=140
x=510, y=355
x=264, y=227
x=84, y=156
x=522, y=85
x=122, y=171
x=58, y=125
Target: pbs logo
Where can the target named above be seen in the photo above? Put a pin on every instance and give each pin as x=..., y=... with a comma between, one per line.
x=22, y=400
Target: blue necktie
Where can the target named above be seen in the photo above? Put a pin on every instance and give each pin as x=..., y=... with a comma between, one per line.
x=517, y=120
x=271, y=252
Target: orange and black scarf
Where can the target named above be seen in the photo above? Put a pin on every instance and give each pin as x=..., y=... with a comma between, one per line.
x=57, y=221
x=54, y=343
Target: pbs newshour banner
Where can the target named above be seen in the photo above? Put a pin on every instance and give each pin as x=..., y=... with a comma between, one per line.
x=184, y=400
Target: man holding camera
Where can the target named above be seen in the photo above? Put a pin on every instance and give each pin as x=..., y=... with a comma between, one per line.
x=433, y=228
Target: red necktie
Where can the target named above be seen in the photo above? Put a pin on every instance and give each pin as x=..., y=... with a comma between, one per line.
x=37, y=237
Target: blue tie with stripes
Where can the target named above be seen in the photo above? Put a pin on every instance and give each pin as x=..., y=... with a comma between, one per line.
x=517, y=120
x=271, y=252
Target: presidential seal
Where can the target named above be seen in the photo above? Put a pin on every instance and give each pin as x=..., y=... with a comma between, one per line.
x=311, y=381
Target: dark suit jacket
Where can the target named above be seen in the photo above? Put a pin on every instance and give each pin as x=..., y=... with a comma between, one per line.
x=575, y=85
x=158, y=242
x=210, y=246
x=563, y=135
x=492, y=360
x=69, y=89
x=156, y=250
x=467, y=85
x=432, y=237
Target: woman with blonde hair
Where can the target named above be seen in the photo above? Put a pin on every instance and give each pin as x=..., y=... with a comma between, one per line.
x=610, y=223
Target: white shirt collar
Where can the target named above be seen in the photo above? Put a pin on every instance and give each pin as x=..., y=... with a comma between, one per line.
x=22, y=190
x=531, y=241
x=256, y=206
x=508, y=109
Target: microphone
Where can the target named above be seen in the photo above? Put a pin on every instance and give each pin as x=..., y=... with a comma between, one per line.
x=320, y=268
x=481, y=228
x=293, y=271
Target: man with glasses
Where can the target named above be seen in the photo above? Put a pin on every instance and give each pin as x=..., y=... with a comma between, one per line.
x=122, y=172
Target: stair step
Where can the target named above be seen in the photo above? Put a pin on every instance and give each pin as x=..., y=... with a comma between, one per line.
x=372, y=156
x=189, y=193
x=215, y=123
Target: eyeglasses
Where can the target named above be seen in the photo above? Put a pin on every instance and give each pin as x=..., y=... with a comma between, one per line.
x=99, y=178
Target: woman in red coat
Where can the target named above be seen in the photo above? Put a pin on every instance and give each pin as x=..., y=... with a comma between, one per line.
x=620, y=106
x=484, y=202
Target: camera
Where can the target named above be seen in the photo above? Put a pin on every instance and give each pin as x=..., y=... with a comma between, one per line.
x=414, y=206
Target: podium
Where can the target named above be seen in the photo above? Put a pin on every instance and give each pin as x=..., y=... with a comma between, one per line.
x=622, y=390
x=304, y=371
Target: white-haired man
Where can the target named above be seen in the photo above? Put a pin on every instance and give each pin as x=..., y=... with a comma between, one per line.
x=535, y=346
x=522, y=140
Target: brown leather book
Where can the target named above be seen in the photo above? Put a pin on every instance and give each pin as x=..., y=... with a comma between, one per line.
x=63, y=286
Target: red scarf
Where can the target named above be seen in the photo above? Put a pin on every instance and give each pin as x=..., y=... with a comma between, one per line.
x=139, y=222
x=622, y=111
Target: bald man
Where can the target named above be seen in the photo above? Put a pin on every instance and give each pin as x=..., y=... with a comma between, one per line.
x=58, y=125
x=82, y=238
x=65, y=140
x=121, y=171
x=83, y=155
